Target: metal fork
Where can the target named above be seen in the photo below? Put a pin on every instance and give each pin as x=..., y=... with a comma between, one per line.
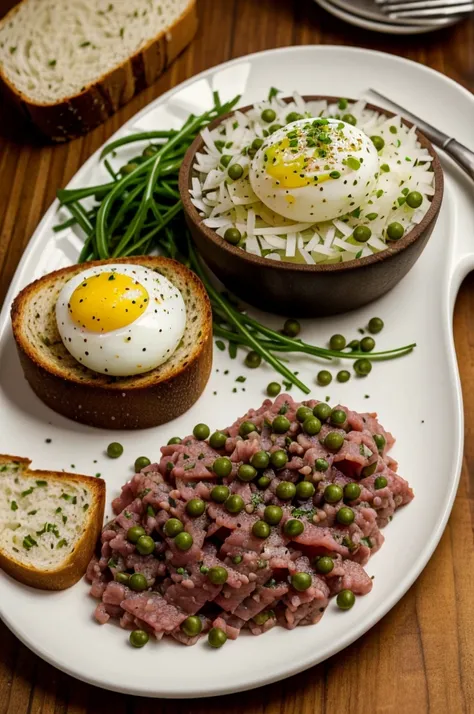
x=463, y=156
x=425, y=8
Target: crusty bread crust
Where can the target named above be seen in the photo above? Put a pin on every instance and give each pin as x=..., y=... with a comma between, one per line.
x=76, y=564
x=78, y=114
x=126, y=402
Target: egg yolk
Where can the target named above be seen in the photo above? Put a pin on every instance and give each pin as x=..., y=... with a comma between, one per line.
x=290, y=174
x=107, y=302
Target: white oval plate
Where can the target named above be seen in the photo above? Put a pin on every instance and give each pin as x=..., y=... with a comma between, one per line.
x=361, y=18
x=418, y=398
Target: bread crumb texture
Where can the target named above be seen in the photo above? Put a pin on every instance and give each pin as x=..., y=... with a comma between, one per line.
x=51, y=50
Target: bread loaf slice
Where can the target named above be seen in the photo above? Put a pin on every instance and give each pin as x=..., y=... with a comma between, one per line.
x=49, y=523
x=72, y=63
x=136, y=402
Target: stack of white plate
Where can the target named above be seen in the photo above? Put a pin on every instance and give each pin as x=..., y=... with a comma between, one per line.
x=367, y=14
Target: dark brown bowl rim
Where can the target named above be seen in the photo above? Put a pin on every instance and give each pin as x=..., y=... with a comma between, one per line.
x=185, y=183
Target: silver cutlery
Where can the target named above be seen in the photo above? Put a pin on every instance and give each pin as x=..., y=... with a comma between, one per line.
x=463, y=156
x=424, y=8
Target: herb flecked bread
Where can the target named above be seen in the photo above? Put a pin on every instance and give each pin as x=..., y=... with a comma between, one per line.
x=49, y=523
x=135, y=402
x=70, y=64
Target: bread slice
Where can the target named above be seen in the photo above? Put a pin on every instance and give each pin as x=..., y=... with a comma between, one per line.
x=49, y=523
x=77, y=392
x=71, y=64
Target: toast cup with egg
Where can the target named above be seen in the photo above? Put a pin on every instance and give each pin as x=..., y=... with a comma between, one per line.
x=110, y=399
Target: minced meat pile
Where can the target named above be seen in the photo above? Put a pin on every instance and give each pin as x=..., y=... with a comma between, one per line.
x=256, y=526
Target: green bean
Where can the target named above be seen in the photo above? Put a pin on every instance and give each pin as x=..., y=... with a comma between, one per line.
x=141, y=136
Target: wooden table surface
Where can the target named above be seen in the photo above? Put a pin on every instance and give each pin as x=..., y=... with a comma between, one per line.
x=420, y=657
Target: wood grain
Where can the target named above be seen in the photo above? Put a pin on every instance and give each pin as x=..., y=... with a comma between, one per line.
x=420, y=657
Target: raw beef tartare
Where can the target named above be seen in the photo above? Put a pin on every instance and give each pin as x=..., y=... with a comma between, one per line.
x=252, y=526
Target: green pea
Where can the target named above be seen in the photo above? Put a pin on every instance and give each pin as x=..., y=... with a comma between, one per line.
x=138, y=582
x=253, y=360
x=174, y=440
x=263, y=482
x=375, y=325
x=362, y=367
x=251, y=153
x=343, y=376
x=324, y=565
x=225, y=160
x=301, y=581
x=222, y=466
x=235, y=172
x=274, y=127
x=273, y=389
x=183, y=541
x=201, y=431
x=362, y=234
x=173, y=527
x=192, y=626
x=349, y=119
x=134, y=533
x=141, y=463
x=322, y=411
x=293, y=116
x=324, y=378
x=293, y=527
x=268, y=115
x=232, y=235
x=304, y=490
x=332, y=493
x=367, y=344
x=262, y=617
x=235, y=503
x=345, y=599
x=351, y=491
x=219, y=494
x=261, y=529
x=286, y=490
x=139, y=638
x=150, y=151
x=342, y=104
x=260, y=460
x=354, y=345
x=122, y=578
x=127, y=169
x=280, y=424
x=414, y=199
x=312, y=425
x=257, y=144
x=338, y=416
x=114, y=450
x=395, y=231
x=195, y=507
x=246, y=428
x=345, y=516
x=218, y=575
x=303, y=413
x=246, y=472
x=369, y=470
x=216, y=637
x=378, y=142
x=273, y=515
x=333, y=441
x=279, y=459
x=204, y=569
x=379, y=441
x=217, y=440
x=337, y=342
x=291, y=328
x=145, y=545
x=237, y=559
x=380, y=482
x=321, y=465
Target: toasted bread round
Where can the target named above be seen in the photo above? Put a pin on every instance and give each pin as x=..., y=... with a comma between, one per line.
x=51, y=495
x=72, y=84
x=135, y=402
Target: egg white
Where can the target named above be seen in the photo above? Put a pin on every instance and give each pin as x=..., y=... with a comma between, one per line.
x=139, y=347
x=332, y=197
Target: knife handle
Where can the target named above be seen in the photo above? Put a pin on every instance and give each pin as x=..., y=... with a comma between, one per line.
x=463, y=156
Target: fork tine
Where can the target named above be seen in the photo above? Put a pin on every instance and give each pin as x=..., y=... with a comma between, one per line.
x=429, y=11
x=421, y=4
